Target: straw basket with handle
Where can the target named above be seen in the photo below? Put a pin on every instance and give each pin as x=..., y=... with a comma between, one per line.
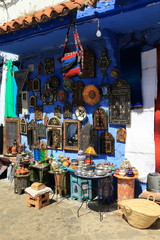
x=140, y=213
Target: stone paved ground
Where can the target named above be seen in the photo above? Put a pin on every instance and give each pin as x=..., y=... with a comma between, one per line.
x=58, y=221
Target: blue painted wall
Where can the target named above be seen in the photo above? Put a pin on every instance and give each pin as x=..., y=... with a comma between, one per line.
x=108, y=41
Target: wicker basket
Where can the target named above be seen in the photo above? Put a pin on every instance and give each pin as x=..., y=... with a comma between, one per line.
x=140, y=213
x=37, y=186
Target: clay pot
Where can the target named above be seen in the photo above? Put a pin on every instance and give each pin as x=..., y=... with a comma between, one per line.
x=14, y=150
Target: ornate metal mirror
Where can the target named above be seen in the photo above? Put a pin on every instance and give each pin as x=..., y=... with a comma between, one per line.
x=67, y=110
x=53, y=83
x=105, y=90
x=100, y=119
x=23, y=126
x=72, y=135
x=32, y=134
x=11, y=132
x=107, y=143
x=41, y=130
x=89, y=64
x=38, y=113
x=33, y=101
x=40, y=69
x=89, y=137
x=57, y=111
x=120, y=103
x=54, y=133
x=121, y=135
x=49, y=65
x=36, y=85
x=77, y=99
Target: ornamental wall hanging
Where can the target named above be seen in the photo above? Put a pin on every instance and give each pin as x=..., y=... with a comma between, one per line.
x=54, y=133
x=40, y=69
x=41, y=130
x=100, y=119
x=25, y=103
x=91, y=95
x=77, y=99
x=89, y=137
x=49, y=65
x=38, y=113
x=23, y=126
x=35, y=85
x=89, y=64
x=46, y=119
x=32, y=134
x=81, y=113
x=67, y=110
x=48, y=96
x=19, y=103
x=52, y=83
x=42, y=145
x=120, y=103
x=57, y=111
x=121, y=135
x=29, y=85
x=106, y=143
x=68, y=85
x=62, y=96
x=33, y=101
x=72, y=135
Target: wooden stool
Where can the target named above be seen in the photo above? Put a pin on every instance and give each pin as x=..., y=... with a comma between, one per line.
x=21, y=182
x=39, y=201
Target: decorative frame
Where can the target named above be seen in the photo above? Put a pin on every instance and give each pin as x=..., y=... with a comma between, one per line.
x=57, y=111
x=121, y=135
x=42, y=145
x=35, y=85
x=33, y=101
x=38, y=112
x=120, y=103
x=49, y=65
x=72, y=135
x=40, y=69
x=77, y=99
x=33, y=142
x=23, y=126
x=107, y=143
x=100, y=119
x=11, y=132
x=41, y=130
x=52, y=83
x=67, y=110
x=89, y=64
x=54, y=133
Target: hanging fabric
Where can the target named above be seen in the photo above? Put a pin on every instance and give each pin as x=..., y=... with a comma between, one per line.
x=72, y=62
x=11, y=91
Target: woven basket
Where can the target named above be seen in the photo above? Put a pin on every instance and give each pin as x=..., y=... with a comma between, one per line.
x=37, y=186
x=140, y=213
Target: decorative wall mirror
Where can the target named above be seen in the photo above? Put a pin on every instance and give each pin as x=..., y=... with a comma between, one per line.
x=121, y=135
x=49, y=65
x=29, y=85
x=89, y=137
x=72, y=135
x=77, y=99
x=105, y=90
x=38, y=113
x=32, y=134
x=36, y=85
x=41, y=130
x=89, y=64
x=53, y=83
x=40, y=69
x=120, y=103
x=25, y=103
x=100, y=119
x=11, y=132
x=54, y=133
x=57, y=111
x=23, y=126
x=33, y=101
x=67, y=110
x=107, y=143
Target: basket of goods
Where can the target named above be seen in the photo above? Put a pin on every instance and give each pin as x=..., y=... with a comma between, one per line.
x=37, y=186
x=140, y=213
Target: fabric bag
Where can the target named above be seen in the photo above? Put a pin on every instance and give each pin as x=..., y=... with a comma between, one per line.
x=72, y=62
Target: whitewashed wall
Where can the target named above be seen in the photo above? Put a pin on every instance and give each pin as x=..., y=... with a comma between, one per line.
x=16, y=8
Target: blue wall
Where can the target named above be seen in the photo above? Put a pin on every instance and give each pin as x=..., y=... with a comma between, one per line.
x=109, y=41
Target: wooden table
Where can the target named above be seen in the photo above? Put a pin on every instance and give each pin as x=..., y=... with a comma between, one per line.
x=39, y=173
x=125, y=187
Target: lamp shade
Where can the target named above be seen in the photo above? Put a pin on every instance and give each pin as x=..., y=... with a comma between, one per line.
x=90, y=151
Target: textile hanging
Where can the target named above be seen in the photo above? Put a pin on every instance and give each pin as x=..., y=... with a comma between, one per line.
x=11, y=91
x=130, y=66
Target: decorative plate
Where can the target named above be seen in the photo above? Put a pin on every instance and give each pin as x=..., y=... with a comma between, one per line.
x=91, y=95
x=80, y=113
x=68, y=85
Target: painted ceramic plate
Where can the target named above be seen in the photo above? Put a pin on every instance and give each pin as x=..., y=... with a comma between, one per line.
x=91, y=94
